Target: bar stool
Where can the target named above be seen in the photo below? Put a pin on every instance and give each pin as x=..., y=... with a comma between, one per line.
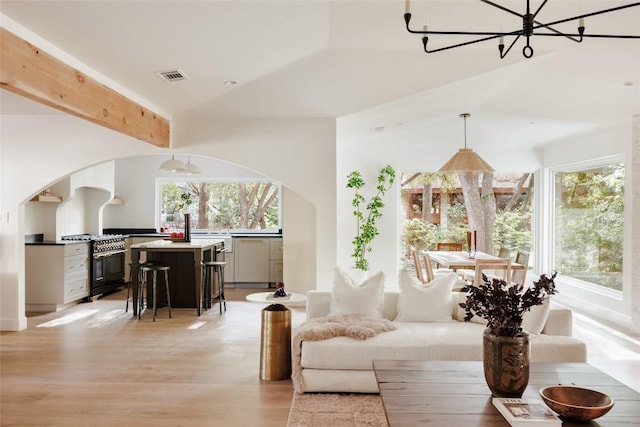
x=130, y=284
x=154, y=269
x=213, y=270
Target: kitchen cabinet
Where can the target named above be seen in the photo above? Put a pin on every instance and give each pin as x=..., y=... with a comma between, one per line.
x=229, y=258
x=55, y=275
x=251, y=257
x=256, y=260
x=275, y=260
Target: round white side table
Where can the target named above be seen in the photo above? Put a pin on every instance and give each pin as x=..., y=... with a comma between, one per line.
x=268, y=298
x=275, y=334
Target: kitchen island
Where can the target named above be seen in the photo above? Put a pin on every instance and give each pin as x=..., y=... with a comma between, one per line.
x=185, y=275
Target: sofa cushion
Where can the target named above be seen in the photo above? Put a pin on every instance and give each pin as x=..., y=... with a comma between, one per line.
x=427, y=341
x=459, y=312
x=425, y=303
x=533, y=320
x=351, y=298
x=410, y=341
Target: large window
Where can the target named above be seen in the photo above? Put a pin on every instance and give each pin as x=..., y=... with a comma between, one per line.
x=220, y=206
x=435, y=210
x=589, y=222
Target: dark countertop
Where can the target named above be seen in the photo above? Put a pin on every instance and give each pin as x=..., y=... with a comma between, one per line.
x=206, y=236
x=152, y=232
x=56, y=242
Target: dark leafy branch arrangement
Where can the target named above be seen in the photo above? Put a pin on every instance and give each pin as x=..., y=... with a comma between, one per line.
x=503, y=304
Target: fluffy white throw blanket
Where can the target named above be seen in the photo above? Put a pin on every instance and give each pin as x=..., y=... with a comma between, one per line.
x=322, y=328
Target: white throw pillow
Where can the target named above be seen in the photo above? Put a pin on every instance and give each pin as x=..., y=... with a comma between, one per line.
x=533, y=320
x=350, y=298
x=459, y=312
x=425, y=303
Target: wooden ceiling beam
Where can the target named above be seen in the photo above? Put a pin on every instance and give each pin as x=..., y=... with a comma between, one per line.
x=29, y=71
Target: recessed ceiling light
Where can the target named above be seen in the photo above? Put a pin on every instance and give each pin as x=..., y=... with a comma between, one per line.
x=230, y=82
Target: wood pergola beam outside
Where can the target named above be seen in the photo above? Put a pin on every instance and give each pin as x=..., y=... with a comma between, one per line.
x=29, y=71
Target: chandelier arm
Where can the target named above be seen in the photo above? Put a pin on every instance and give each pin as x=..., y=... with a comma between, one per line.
x=601, y=36
x=501, y=47
x=586, y=15
x=407, y=19
x=537, y=11
x=426, y=39
x=557, y=32
x=498, y=6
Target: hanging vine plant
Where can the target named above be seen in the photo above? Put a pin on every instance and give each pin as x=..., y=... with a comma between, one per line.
x=367, y=214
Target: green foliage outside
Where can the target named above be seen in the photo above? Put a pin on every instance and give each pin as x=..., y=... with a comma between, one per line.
x=224, y=208
x=512, y=228
x=589, y=225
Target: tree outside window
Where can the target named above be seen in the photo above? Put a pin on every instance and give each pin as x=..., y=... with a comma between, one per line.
x=220, y=206
x=589, y=224
x=442, y=208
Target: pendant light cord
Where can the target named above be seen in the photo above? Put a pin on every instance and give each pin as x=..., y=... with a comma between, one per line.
x=464, y=116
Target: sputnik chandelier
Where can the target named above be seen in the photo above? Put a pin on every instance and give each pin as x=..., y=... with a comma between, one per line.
x=529, y=28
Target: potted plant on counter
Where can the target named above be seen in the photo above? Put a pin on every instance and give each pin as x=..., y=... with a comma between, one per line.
x=505, y=344
x=185, y=202
x=367, y=214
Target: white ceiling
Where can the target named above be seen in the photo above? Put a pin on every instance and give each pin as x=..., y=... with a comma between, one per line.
x=352, y=60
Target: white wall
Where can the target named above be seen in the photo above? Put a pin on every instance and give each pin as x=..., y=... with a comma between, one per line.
x=39, y=150
x=616, y=141
x=635, y=224
x=135, y=183
x=371, y=154
x=301, y=154
x=368, y=156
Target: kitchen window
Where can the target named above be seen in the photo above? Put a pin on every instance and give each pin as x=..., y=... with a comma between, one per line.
x=220, y=206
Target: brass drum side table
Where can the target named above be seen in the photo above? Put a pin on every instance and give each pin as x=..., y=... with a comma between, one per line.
x=275, y=334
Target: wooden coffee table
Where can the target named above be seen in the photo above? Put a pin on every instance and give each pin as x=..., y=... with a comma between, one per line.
x=439, y=393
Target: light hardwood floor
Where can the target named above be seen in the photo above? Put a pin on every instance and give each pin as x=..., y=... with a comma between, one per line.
x=93, y=364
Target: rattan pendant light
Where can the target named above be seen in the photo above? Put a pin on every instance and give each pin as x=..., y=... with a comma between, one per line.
x=465, y=160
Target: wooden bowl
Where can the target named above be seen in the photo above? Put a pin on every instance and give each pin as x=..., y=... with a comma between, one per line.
x=576, y=403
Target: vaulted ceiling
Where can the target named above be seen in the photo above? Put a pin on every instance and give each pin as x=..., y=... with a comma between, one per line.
x=353, y=61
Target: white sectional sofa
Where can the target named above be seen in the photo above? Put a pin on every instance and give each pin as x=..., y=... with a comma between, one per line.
x=343, y=364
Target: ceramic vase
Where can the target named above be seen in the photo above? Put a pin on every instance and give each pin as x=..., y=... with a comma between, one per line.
x=506, y=364
x=187, y=227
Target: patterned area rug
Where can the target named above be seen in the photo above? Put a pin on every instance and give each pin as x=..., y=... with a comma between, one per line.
x=336, y=410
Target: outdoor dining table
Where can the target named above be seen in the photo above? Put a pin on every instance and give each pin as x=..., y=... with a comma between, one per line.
x=460, y=260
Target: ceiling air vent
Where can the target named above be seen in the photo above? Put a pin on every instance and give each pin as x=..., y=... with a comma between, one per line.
x=172, y=75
